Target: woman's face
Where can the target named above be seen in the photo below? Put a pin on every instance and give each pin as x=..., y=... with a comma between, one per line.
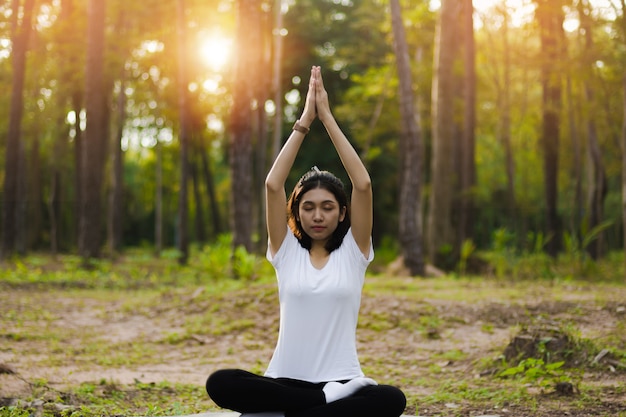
x=319, y=214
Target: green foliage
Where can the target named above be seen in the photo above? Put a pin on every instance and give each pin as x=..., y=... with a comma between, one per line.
x=139, y=268
x=219, y=260
x=502, y=257
x=576, y=247
x=536, y=372
x=507, y=259
x=14, y=412
x=467, y=250
x=386, y=251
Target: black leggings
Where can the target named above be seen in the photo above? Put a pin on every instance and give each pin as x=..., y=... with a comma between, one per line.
x=246, y=392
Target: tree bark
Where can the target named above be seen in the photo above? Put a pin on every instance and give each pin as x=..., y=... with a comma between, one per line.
x=32, y=218
x=596, y=174
x=277, y=76
x=468, y=140
x=158, y=201
x=79, y=137
x=183, y=135
x=577, y=165
x=505, y=122
x=13, y=170
x=240, y=144
x=94, y=146
x=624, y=157
x=441, y=235
x=623, y=142
x=199, y=205
x=262, y=93
x=410, y=230
x=208, y=179
x=550, y=17
x=117, y=177
x=60, y=146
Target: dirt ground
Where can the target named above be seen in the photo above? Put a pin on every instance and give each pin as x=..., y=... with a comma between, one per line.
x=420, y=344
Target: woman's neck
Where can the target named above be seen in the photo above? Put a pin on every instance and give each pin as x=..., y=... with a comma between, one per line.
x=318, y=255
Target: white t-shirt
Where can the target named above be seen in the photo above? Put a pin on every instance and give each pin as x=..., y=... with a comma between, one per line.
x=319, y=311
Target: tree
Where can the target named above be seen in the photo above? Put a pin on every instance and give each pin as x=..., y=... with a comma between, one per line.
x=440, y=235
x=467, y=148
x=14, y=149
x=117, y=176
x=64, y=49
x=597, y=187
x=550, y=17
x=277, y=57
x=94, y=146
x=411, y=167
x=240, y=140
x=158, y=200
x=622, y=19
x=504, y=105
x=207, y=173
x=184, y=134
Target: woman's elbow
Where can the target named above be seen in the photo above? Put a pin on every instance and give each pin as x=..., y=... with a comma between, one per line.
x=363, y=185
x=272, y=185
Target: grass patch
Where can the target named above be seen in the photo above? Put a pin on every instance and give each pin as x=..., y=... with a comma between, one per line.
x=441, y=340
x=108, y=398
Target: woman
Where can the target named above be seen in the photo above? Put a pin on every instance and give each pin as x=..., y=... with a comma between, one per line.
x=320, y=252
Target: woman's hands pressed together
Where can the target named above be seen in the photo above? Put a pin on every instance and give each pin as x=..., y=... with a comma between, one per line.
x=322, y=105
x=309, y=113
x=316, y=102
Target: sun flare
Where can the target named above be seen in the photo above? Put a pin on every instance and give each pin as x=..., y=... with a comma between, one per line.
x=215, y=51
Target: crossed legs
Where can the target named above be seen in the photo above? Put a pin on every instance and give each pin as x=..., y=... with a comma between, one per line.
x=246, y=392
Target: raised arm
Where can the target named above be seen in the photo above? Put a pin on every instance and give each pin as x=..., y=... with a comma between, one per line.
x=275, y=194
x=361, y=203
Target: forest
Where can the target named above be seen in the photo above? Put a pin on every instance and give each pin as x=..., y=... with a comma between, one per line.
x=135, y=139
x=484, y=124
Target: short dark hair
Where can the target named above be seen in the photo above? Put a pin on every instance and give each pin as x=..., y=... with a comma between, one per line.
x=312, y=179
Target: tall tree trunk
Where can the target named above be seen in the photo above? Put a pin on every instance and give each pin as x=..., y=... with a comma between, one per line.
x=262, y=93
x=277, y=75
x=596, y=175
x=240, y=145
x=183, y=135
x=79, y=140
x=60, y=146
x=502, y=81
x=32, y=213
x=94, y=146
x=22, y=195
x=410, y=230
x=158, y=200
x=624, y=156
x=197, y=197
x=14, y=149
x=577, y=203
x=260, y=172
x=54, y=201
x=550, y=17
x=116, y=192
x=468, y=144
x=505, y=121
x=441, y=236
x=623, y=141
x=208, y=179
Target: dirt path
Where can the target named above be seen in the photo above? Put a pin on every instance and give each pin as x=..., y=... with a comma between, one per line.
x=66, y=338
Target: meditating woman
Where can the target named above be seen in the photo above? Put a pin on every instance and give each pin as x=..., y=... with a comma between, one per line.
x=320, y=250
